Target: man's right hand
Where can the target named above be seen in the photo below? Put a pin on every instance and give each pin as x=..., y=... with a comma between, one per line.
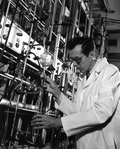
x=51, y=87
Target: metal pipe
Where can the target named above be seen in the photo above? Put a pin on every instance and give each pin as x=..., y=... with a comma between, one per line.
x=58, y=36
x=28, y=47
x=90, y=18
x=14, y=119
x=53, y=19
x=70, y=30
x=85, y=30
x=75, y=14
x=47, y=24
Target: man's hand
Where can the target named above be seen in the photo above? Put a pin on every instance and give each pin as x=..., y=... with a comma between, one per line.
x=52, y=87
x=40, y=121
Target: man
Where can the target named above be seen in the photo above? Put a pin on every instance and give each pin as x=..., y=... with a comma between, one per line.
x=94, y=117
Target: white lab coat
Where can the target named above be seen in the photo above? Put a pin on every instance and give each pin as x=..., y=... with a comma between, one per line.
x=94, y=117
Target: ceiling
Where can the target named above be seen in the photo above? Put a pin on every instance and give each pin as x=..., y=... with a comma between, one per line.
x=110, y=11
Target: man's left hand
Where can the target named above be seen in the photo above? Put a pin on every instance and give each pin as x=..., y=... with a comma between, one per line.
x=40, y=121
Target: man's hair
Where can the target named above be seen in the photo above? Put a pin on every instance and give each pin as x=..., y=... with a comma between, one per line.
x=86, y=42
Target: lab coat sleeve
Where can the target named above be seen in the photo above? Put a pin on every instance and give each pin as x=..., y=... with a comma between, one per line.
x=102, y=109
x=66, y=106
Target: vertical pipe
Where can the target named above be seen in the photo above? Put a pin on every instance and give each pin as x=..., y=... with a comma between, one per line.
x=28, y=48
x=79, y=16
x=58, y=35
x=56, y=55
x=53, y=19
x=75, y=19
x=102, y=47
x=72, y=17
x=47, y=24
x=70, y=33
x=51, y=30
x=90, y=17
x=85, y=30
x=14, y=120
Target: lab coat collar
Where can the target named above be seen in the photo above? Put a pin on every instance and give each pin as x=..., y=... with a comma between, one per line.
x=99, y=66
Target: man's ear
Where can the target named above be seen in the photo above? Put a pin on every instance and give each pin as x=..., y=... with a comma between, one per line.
x=92, y=55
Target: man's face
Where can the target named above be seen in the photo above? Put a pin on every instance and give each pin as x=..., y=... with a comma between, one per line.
x=81, y=61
